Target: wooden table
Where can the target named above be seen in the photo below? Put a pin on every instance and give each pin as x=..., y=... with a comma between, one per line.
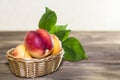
x=102, y=48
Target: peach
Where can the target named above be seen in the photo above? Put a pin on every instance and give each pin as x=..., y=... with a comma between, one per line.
x=57, y=44
x=46, y=38
x=34, y=44
x=20, y=52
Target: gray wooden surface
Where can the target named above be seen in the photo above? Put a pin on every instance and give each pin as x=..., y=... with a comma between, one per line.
x=102, y=48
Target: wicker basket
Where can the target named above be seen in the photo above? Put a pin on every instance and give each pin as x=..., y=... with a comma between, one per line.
x=31, y=68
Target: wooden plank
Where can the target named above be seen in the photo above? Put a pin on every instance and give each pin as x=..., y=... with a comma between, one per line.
x=102, y=48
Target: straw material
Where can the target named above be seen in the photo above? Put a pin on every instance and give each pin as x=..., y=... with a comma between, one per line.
x=31, y=68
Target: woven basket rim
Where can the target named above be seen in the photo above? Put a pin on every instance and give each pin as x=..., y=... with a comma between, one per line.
x=48, y=58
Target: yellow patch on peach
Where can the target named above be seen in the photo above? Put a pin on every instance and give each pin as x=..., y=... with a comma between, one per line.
x=57, y=46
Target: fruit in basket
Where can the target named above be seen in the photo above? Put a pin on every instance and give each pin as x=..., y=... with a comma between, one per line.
x=57, y=44
x=34, y=44
x=38, y=43
x=20, y=52
x=50, y=42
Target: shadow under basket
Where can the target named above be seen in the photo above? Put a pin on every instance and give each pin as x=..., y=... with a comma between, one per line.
x=31, y=68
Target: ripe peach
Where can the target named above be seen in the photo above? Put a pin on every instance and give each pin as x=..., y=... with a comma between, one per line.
x=34, y=44
x=57, y=44
x=45, y=36
x=20, y=52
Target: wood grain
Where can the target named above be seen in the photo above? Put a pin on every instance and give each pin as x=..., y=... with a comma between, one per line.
x=102, y=48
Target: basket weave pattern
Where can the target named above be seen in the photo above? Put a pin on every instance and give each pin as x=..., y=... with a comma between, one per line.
x=31, y=68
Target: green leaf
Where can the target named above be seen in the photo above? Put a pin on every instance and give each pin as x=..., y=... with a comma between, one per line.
x=48, y=10
x=62, y=34
x=73, y=50
x=72, y=47
x=48, y=19
x=57, y=28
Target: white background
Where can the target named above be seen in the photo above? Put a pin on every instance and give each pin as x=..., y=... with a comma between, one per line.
x=83, y=15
